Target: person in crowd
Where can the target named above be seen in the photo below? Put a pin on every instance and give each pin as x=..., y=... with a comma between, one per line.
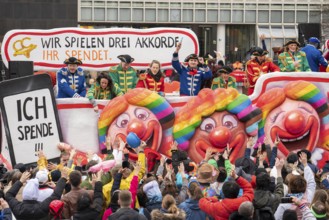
x=6, y=213
x=56, y=209
x=71, y=199
x=223, y=79
x=292, y=59
x=302, y=188
x=222, y=209
x=88, y=209
x=191, y=205
x=71, y=80
x=313, y=55
x=169, y=210
x=123, y=75
x=125, y=212
x=30, y=208
x=152, y=79
x=258, y=65
x=103, y=88
x=45, y=189
x=245, y=212
x=191, y=77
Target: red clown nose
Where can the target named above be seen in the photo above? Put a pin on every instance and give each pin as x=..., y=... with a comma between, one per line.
x=137, y=127
x=220, y=136
x=294, y=122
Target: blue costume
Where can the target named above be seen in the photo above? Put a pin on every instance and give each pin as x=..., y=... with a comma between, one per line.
x=71, y=85
x=190, y=80
x=314, y=57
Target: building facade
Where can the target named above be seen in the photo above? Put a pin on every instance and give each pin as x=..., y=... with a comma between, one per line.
x=229, y=26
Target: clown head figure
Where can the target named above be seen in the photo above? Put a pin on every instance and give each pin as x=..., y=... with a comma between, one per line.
x=140, y=111
x=296, y=114
x=215, y=119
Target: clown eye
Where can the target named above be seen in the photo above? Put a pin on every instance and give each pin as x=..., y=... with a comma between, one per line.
x=208, y=125
x=141, y=114
x=123, y=120
x=229, y=121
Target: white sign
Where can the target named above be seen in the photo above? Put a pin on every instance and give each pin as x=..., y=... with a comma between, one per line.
x=98, y=49
x=32, y=124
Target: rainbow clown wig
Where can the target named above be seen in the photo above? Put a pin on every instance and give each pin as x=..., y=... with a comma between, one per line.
x=299, y=91
x=208, y=101
x=137, y=97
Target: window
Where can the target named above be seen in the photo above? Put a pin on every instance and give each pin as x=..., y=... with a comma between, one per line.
x=137, y=14
x=302, y=16
x=99, y=14
x=250, y=16
x=212, y=16
x=315, y=16
x=237, y=16
x=200, y=15
x=276, y=16
x=150, y=15
x=289, y=17
x=175, y=15
x=86, y=14
x=163, y=15
x=112, y=14
x=125, y=14
x=86, y=3
x=225, y=16
x=187, y=15
x=263, y=17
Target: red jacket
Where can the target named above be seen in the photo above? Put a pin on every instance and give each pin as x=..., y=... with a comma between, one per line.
x=255, y=70
x=221, y=210
x=147, y=81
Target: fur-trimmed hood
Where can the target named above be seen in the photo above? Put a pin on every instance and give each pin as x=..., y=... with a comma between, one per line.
x=158, y=215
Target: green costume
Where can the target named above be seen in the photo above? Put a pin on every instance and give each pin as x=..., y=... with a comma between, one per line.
x=96, y=92
x=219, y=82
x=287, y=59
x=125, y=80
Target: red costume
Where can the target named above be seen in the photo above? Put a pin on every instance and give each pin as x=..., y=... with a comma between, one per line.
x=254, y=70
x=148, y=82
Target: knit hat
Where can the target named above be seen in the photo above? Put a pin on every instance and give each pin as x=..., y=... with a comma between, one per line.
x=204, y=173
x=31, y=190
x=56, y=208
x=42, y=176
x=126, y=58
x=72, y=60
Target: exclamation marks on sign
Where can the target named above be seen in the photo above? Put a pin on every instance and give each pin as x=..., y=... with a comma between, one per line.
x=38, y=147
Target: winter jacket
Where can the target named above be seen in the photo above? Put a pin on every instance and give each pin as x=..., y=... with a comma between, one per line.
x=125, y=183
x=32, y=209
x=91, y=213
x=314, y=57
x=127, y=213
x=162, y=214
x=264, y=197
x=192, y=210
x=221, y=210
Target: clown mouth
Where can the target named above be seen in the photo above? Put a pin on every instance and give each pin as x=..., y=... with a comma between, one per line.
x=236, y=146
x=294, y=142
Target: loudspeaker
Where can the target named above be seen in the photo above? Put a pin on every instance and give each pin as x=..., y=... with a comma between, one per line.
x=305, y=31
x=20, y=68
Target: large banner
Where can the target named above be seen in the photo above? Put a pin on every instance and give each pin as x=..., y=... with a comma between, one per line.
x=30, y=118
x=98, y=49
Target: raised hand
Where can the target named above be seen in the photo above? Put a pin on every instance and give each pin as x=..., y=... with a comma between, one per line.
x=25, y=176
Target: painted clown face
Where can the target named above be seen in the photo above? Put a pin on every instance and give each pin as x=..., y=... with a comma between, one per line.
x=139, y=120
x=216, y=131
x=297, y=125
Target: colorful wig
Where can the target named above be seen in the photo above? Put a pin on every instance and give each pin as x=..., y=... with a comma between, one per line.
x=207, y=102
x=300, y=91
x=137, y=97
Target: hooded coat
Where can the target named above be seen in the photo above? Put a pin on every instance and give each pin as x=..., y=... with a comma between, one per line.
x=192, y=210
